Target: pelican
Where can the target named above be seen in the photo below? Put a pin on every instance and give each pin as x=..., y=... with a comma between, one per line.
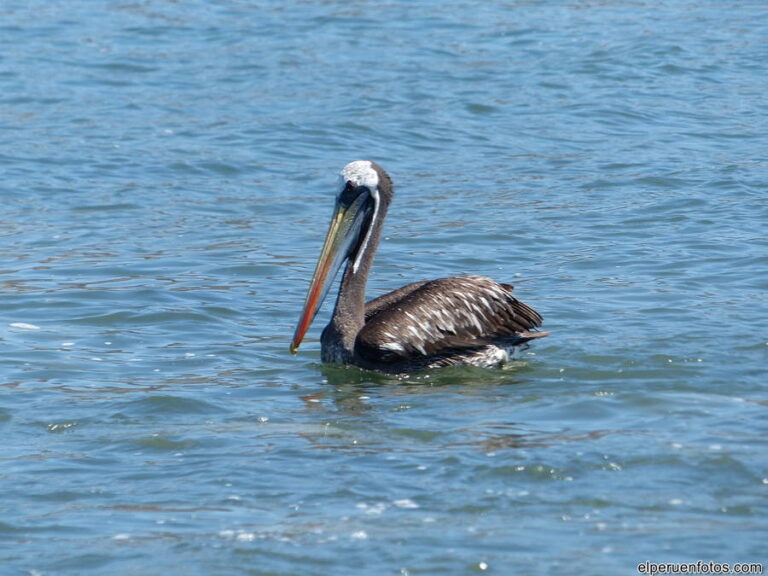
x=462, y=320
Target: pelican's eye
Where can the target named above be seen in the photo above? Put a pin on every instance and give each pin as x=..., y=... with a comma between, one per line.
x=350, y=192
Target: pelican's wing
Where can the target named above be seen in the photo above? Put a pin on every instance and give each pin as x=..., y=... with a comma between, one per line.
x=382, y=302
x=429, y=318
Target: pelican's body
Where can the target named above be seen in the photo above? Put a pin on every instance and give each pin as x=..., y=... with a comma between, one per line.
x=464, y=320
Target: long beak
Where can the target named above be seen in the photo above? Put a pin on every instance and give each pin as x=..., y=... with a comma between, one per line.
x=343, y=234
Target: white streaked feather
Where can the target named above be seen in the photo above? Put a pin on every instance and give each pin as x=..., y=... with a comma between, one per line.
x=394, y=346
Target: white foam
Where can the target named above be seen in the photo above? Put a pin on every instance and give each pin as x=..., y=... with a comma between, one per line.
x=23, y=326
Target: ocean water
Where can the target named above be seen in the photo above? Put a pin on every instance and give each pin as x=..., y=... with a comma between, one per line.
x=167, y=172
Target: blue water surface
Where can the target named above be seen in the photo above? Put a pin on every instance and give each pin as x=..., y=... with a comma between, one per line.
x=167, y=172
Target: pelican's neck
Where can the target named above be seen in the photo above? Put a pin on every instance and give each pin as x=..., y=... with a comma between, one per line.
x=338, y=338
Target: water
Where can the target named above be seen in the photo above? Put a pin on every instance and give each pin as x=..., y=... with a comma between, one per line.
x=167, y=173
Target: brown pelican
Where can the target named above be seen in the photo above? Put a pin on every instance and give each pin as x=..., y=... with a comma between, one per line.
x=469, y=320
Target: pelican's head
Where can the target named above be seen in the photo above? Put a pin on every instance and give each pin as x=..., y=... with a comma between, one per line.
x=361, y=187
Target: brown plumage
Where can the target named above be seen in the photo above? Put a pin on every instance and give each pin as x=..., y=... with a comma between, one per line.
x=450, y=321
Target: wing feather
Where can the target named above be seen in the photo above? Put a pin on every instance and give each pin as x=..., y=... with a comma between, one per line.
x=428, y=318
x=377, y=304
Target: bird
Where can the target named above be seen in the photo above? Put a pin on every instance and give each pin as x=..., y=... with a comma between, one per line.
x=453, y=321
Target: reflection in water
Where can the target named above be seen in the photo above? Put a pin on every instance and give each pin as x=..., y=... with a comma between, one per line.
x=493, y=442
x=466, y=377
x=361, y=399
x=351, y=387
